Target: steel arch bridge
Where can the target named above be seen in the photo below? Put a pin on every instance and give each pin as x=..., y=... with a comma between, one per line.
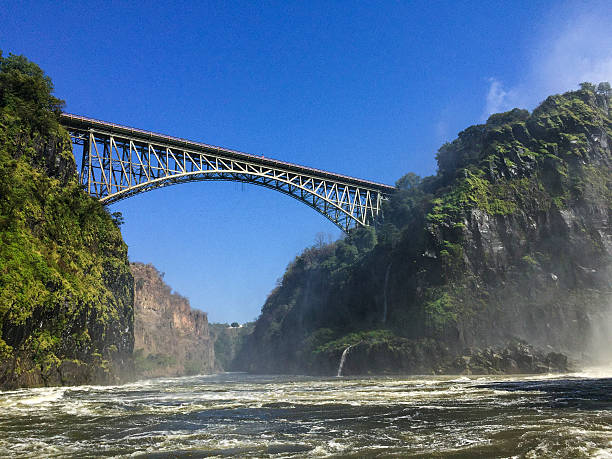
x=120, y=161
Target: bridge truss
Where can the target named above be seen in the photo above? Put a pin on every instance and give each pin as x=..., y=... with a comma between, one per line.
x=120, y=161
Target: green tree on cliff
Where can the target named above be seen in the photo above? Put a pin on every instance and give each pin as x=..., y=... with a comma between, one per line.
x=27, y=93
x=499, y=236
x=65, y=286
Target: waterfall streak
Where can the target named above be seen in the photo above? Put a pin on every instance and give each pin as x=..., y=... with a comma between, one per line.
x=342, y=359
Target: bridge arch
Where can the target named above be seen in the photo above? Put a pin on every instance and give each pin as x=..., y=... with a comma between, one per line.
x=119, y=162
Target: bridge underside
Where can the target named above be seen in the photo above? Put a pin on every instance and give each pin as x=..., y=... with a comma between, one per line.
x=119, y=162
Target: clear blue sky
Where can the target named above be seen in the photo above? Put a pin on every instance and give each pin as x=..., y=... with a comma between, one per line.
x=368, y=89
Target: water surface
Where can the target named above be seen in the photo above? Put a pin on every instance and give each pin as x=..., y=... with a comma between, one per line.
x=288, y=416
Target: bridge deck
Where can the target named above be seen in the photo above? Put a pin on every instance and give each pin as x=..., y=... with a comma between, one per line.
x=84, y=123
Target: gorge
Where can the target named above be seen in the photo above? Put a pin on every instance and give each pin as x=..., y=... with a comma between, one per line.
x=306, y=229
x=499, y=263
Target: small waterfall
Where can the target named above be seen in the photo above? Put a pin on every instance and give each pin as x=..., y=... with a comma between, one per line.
x=342, y=359
x=384, y=318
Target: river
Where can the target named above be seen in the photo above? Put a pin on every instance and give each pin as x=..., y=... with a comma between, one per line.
x=287, y=416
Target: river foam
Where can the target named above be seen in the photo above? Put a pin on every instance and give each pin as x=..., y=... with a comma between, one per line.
x=276, y=416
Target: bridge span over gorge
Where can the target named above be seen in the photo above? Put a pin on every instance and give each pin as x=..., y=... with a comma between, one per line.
x=121, y=161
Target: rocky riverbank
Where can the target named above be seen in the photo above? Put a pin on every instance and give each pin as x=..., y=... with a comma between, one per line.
x=405, y=357
x=382, y=352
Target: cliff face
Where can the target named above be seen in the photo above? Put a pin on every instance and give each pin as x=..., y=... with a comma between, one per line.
x=511, y=241
x=171, y=339
x=65, y=285
x=228, y=342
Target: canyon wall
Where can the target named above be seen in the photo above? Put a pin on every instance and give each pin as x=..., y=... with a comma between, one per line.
x=170, y=338
x=509, y=243
x=65, y=284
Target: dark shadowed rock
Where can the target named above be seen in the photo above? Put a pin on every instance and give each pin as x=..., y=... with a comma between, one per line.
x=510, y=242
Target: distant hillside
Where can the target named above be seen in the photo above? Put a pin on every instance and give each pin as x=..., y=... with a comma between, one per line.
x=170, y=338
x=510, y=242
x=228, y=341
x=65, y=284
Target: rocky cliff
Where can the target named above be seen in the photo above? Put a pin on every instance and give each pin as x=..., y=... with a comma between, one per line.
x=170, y=338
x=509, y=243
x=65, y=285
x=228, y=340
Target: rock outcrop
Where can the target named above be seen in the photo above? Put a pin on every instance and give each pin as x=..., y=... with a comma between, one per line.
x=66, y=292
x=170, y=338
x=510, y=241
x=395, y=355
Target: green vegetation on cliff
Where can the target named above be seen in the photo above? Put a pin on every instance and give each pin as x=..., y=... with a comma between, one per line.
x=511, y=239
x=228, y=340
x=66, y=292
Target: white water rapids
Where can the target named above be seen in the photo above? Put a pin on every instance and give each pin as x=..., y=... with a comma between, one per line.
x=242, y=415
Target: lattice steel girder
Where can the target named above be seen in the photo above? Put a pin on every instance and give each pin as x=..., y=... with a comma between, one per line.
x=119, y=162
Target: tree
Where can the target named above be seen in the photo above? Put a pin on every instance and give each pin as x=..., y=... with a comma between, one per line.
x=65, y=283
x=604, y=89
x=408, y=181
x=364, y=238
x=346, y=253
x=321, y=240
x=117, y=218
x=389, y=234
x=27, y=93
x=586, y=86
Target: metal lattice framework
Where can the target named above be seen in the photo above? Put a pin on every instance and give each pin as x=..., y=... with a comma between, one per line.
x=120, y=161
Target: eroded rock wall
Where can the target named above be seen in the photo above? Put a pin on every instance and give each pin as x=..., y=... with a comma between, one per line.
x=170, y=338
x=510, y=242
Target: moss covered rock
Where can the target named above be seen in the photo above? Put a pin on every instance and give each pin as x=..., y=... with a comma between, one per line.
x=66, y=292
x=510, y=240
